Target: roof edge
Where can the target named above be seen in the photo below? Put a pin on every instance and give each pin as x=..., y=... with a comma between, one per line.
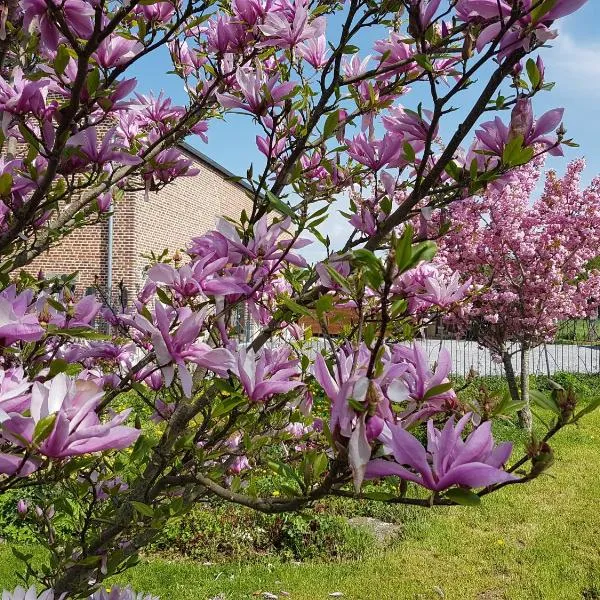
x=214, y=165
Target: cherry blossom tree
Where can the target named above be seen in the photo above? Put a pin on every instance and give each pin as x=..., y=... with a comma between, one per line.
x=530, y=262
x=75, y=405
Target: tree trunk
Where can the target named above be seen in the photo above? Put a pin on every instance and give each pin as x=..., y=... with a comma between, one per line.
x=525, y=418
x=511, y=379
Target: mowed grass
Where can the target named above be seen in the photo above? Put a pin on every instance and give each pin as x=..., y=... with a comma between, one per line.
x=537, y=541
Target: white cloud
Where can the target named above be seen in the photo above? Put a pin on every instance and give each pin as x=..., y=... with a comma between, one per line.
x=574, y=65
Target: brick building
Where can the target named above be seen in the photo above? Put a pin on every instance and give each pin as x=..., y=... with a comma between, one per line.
x=167, y=219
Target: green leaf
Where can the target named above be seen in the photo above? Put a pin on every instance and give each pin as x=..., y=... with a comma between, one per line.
x=404, y=249
x=533, y=73
x=227, y=405
x=295, y=307
x=93, y=81
x=586, y=410
x=436, y=390
x=423, y=61
x=6, y=182
x=62, y=59
x=350, y=49
x=367, y=258
x=544, y=401
x=143, y=509
x=356, y=405
x=86, y=333
x=43, y=428
x=453, y=170
x=545, y=7
x=423, y=252
x=320, y=464
x=379, y=496
x=409, y=152
x=280, y=206
x=331, y=123
x=386, y=205
x=323, y=305
x=398, y=307
x=339, y=279
x=507, y=406
x=163, y=297
x=58, y=365
x=463, y=496
x=515, y=154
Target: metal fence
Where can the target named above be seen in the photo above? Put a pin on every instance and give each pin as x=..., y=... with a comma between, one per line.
x=576, y=348
x=546, y=359
x=579, y=356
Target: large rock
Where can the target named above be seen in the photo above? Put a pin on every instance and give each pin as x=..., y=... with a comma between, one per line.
x=383, y=532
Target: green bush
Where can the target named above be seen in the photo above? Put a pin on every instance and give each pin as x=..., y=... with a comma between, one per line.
x=226, y=532
x=218, y=532
x=12, y=526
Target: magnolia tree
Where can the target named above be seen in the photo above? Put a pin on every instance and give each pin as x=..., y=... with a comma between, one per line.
x=529, y=263
x=118, y=434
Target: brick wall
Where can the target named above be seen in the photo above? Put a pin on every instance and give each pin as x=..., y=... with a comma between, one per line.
x=168, y=219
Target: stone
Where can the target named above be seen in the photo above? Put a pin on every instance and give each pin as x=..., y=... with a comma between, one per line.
x=383, y=532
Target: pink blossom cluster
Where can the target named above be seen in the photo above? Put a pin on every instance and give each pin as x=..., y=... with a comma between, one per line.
x=529, y=260
x=54, y=419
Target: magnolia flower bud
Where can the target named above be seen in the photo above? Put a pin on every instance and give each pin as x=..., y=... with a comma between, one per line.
x=521, y=119
x=542, y=460
x=22, y=507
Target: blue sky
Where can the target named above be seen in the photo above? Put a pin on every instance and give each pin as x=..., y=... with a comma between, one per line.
x=573, y=63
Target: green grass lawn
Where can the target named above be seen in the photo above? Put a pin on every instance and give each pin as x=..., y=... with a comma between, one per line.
x=536, y=541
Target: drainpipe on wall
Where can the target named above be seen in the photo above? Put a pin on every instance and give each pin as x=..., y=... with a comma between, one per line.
x=109, y=254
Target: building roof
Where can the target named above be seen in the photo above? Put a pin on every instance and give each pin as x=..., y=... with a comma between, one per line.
x=215, y=166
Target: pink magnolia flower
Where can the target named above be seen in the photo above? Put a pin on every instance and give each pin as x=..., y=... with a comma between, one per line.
x=185, y=58
x=118, y=593
x=314, y=51
x=115, y=50
x=14, y=390
x=268, y=149
x=199, y=277
x=167, y=165
x=395, y=53
x=78, y=16
x=251, y=11
x=268, y=243
x=340, y=264
x=239, y=464
x=156, y=111
x=119, y=355
x=86, y=143
x=495, y=13
x=225, y=34
x=17, y=322
x=258, y=91
x=494, y=135
x=157, y=12
x=77, y=428
x=19, y=96
x=21, y=593
x=262, y=377
x=374, y=154
x=468, y=10
x=419, y=379
x=410, y=126
x=428, y=285
x=175, y=348
x=426, y=11
x=287, y=33
x=447, y=461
